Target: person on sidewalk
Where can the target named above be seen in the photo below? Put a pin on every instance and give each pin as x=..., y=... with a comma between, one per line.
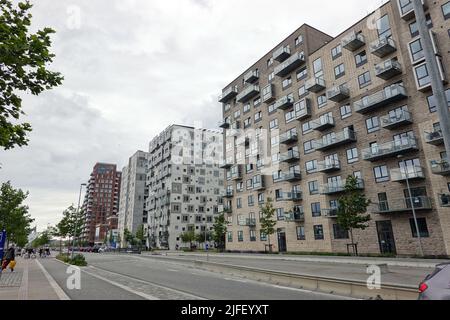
x=10, y=257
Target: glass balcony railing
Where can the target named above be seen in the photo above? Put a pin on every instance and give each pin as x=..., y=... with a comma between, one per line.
x=315, y=85
x=440, y=167
x=435, y=137
x=403, y=205
x=383, y=47
x=290, y=196
x=353, y=41
x=302, y=109
x=390, y=149
x=323, y=123
x=339, y=186
x=330, y=213
x=334, y=140
x=289, y=137
x=411, y=173
x=388, y=69
x=296, y=215
x=228, y=94
x=251, y=76
x=338, y=93
x=393, y=121
x=281, y=53
x=329, y=165
x=249, y=222
x=290, y=156
x=393, y=93
x=225, y=124
x=292, y=63
x=248, y=93
x=284, y=103
x=292, y=176
x=229, y=193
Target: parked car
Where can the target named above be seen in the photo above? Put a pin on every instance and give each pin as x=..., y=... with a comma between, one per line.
x=436, y=285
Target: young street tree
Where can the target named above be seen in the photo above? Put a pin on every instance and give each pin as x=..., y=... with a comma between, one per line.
x=24, y=58
x=14, y=217
x=352, y=209
x=72, y=223
x=267, y=220
x=140, y=234
x=188, y=237
x=220, y=231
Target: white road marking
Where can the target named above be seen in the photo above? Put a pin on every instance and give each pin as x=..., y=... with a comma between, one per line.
x=59, y=292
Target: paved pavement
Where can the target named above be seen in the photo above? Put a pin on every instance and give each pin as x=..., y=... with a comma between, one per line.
x=409, y=276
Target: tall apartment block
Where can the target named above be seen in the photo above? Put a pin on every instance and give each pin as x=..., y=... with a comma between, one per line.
x=132, y=211
x=185, y=184
x=359, y=104
x=101, y=203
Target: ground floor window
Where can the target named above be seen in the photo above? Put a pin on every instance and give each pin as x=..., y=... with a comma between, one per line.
x=230, y=236
x=318, y=232
x=423, y=228
x=240, y=236
x=262, y=236
x=301, y=233
x=252, y=235
x=339, y=232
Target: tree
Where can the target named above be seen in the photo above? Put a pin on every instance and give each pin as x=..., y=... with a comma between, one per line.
x=43, y=239
x=203, y=237
x=140, y=234
x=128, y=236
x=24, y=58
x=14, y=217
x=71, y=224
x=188, y=237
x=220, y=231
x=267, y=220
x=352, y=208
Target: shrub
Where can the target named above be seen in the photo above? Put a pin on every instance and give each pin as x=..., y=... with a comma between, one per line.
x=63, y=257
x=78, y=260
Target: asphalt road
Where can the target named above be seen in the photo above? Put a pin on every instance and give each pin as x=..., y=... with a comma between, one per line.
x=123, y=277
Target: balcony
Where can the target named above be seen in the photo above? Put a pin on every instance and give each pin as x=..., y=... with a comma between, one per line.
x=388, y=69
x=268, y=93
x=302, y=109
x=407, y=12
x=260, y=185
x=383, y=47
x=339, y=186
x=315, y=85
x=435, y=137
x=332, y=141
x=412, y=173
x=284, y=103
x=228, y=94
x=226, y=164
x=296, y=215
x=229, y=194
x=236, y=173
x=290, y=196
x=403, y=205
x=290, y=156
x=249, y=222
x=289, y=65
x=338, y=93
x=323, y=123
x=235, y=130
x=390, y=149
x=330, y=213
x=441, y=167
x=444, y=200
x=281, y=53
x=353, y=41
x=330, y=165
x=391, y=94
x=248, y=93
x=251, y=76
x=289, y=137
x=292, y=176
x=393, y=121
x=225, y=124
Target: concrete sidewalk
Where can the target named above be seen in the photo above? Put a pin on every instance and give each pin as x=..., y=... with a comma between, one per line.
x=29, y=281
x=395, y=262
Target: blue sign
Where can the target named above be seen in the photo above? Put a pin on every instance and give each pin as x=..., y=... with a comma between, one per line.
x=2, y=243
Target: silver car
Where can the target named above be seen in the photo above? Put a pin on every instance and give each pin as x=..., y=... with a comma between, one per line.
x=436, y=285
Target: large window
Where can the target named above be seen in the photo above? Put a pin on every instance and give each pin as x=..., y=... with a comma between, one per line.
x=302, y=73
x=318, y=232
x=416, y=50
x=322, y=100
x=313, y=187
x=346, y=111
x=339, y=232
x=287, y=83
x=446, y=10
x=308, y=146
x=241, y=236
x=301, y=233
x=318, y=68
x=311, y=166
x=423, y=228
x=315, y=209
x=384, y=28
x=432, y=101
x=373, y=124
x=339, y=71
x=422, y=75
x=361, y=58
x=364, y=80
x=352, y=155
x=336, y=52
x=415, y=31
x=381, y=174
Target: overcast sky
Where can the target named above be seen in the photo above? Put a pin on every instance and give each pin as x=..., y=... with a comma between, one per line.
x=132, y=68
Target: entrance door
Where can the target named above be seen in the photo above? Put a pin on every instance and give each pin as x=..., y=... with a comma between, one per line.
x=386, y=237
x=282, y=247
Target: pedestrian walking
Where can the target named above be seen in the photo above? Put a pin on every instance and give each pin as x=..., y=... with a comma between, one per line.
x=9, y=259
x=40, y=252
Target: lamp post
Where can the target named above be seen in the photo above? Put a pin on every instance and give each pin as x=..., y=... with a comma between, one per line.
x=76, y=218
x=412, y=204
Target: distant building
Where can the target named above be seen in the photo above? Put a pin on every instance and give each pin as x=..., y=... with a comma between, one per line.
x=132, y=211
x=101, y=203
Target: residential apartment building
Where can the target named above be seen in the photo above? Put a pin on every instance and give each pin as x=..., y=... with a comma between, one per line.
x=101, y=203
x=184, y=182
x=358, y=104
x=132, y=211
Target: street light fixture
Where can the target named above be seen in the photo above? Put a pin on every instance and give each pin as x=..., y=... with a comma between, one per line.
x=412, y=204
x=76, y=217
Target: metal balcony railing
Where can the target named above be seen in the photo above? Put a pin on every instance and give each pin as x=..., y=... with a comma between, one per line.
x=403, y=205
x=435, y=137
x=353, y=41
x=323, y=123
x=440, y=167
x=289, y=137
x=331, y=141
x=383, y=47
x=315, y=85
x=388, y=69
x=251, y=76
x=281, y=53
x=330, y=213
x=392, y=121
x=411, y=173
x=284, y=103
x=393, y=93
x=338, y=93
x=339, y=186
x=228, y=94
x=329, y=165
x=296, y=215
x=249, y=222
x=248, y=93
x=292, y=63
x=290, y=156
x=390, y=149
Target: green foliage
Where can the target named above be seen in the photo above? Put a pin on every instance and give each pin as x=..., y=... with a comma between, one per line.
x=24, y=58
x=188, y=237
x=220, y=231
x=128, y=236
x=203, y=237
x=71, y=224
x=42, y=240
x=78, y=259
x=140, y=234
x=352, y=208
x=267, y=220
x=14, y=217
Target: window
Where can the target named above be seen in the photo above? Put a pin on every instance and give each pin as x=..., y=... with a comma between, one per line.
x=306, y=127
x=260, y=198
x=339, y=71
x=247, y=122
x=287, y=83
x=237, y=114
x=251, y=201
x=271, y=76
x=230, y=236
x=271, y=108
x=422, y=75
x=262, y=236
x=346, y=111
x=339, y=232
x=315, y=209
x=246, y=108
x=302, y=73
x=318, y=232
x=405, y=6
x=308, y=146
x=299, y=40
x=302, y=91
x=239, y=203
x=252, y=235
x=270, y=62
x=364, y=80
x=318, y=68
x=361, y=59
x=383, y=27
x=352, y=155
x=322, y=100
x=301, y=233
x=413, y=27
x=273, y=124
x=313, y=187
x=446, y=10
x=416, y=50
x=258, y=116
x=257, y=102
x=432, y=101
x=240, y=236
x=381, y=174
x=372, y=124
x=311, y=166
x=280, y=213
x=336, y=52
x=423, y=228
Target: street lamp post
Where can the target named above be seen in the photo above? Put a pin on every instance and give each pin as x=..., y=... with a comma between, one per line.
x=76, y=218
x=412, y=205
